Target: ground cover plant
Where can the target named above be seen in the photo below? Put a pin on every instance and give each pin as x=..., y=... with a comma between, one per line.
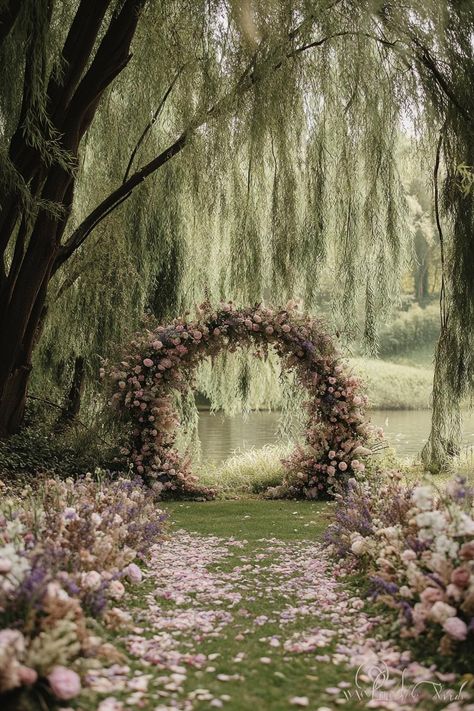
x=67, y=551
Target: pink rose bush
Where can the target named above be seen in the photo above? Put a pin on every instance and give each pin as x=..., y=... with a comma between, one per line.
x=67, y=552
x=417, y=547
x=163, y=361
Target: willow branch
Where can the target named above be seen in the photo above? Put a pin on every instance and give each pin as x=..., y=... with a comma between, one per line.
x=151, y=123
x=442, y=294
x=252, y=75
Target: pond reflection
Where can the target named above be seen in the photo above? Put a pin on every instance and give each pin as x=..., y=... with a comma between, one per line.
x=221, y=436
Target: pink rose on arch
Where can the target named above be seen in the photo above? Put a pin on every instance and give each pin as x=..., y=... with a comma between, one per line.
x=65, y=683
x=148, y=362
x=331, y=470
x=461, y=577
x=431, y=595
x=467, y=551
x=342, y=466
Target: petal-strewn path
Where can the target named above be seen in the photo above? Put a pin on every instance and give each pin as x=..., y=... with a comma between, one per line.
x=264, y=625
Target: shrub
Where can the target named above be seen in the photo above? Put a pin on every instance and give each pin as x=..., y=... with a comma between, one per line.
x=250, y=472
x=417, y=547
x=65, y=551
x=411, y=329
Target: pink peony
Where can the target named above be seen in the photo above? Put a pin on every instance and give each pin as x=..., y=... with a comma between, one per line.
x=467, y=551
x=455, y=628
x=65, y=683
x=116, y=589
x=133, y=573
x=28, y=675
x=5, y=566
x=91, y=580
x=461, y=577
x=431, y=595
x=441, y=612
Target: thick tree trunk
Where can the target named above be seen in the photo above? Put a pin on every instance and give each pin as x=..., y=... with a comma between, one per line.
x=15, y=373
x=72, y=102
x=445, y=435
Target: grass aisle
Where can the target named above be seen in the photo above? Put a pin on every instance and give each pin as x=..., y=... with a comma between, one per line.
x=240, y=611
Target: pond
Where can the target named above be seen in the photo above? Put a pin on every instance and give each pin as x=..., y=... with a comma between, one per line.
x=221, y=436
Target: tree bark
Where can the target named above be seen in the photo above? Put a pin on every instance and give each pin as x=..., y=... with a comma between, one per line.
x=72, y=403
x=72, y=104
x=445, y=436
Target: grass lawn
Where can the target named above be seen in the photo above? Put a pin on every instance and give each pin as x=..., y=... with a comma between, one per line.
x=265, y=687
x=246, y=663
x=252, y=519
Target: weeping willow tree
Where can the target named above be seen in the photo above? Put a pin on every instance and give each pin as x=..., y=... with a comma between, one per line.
x=214, y=149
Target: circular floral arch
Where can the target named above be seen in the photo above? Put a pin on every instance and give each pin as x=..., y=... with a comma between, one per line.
x=164, y=360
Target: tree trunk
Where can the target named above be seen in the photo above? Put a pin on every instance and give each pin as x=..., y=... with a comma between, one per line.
x=71, y=102
x=445, y=435
x=72, y=404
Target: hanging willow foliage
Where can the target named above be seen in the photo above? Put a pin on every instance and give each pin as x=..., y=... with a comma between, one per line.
x=279, y=122
x=285, y=178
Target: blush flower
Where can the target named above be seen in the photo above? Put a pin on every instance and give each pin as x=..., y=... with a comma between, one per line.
x=455, y=628
x=65, y=683
x=91, y=580
x=116, y=589
x=461, y=577
x=133, y=573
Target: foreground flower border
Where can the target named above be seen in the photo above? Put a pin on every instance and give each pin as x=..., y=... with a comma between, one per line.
x=415, y=544
x=164, y=360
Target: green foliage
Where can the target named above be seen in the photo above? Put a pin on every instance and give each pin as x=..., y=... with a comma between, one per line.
x=249, y=472
x=277, y=174
x=39, y=448
x=392, y=386
x=410, y=330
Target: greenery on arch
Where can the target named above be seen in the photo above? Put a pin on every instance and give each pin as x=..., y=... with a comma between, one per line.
x=164, y=360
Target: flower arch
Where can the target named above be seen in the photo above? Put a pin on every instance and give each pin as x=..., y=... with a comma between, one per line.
x=164, y=360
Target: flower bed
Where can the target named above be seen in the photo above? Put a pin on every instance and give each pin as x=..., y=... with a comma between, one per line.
x=67, y=551
x=417, y=547
x=161, y=362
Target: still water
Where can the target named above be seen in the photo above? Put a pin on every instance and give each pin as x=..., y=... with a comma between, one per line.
x=221, y=436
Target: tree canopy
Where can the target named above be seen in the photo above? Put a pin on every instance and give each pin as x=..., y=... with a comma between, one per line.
x=227, y=149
